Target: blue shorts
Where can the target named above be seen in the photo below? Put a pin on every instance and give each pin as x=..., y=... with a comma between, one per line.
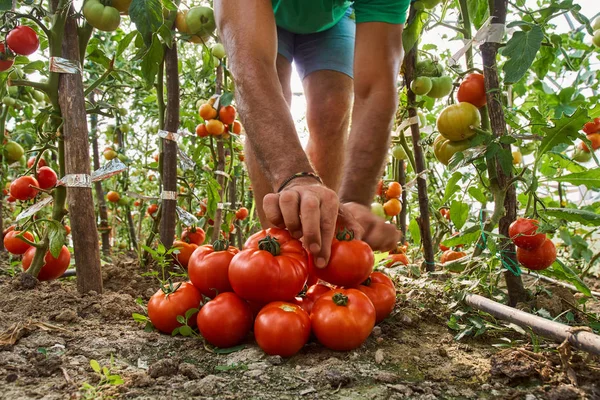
x=332, y=49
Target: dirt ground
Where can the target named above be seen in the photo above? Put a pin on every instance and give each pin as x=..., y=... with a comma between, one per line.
x=57, y=332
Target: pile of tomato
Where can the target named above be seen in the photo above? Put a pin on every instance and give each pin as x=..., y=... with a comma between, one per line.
x=592, y=130
x=272, y=288
x=456, y=123
x=535, y=250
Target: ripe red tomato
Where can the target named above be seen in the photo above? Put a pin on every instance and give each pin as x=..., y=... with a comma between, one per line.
x=208, y=268
x=20, y=190
x=193, y=234
x=227, y=115
x=242, y=213
x=539, y=258
x=41, y=163
x=23, y=40
x=445, y=213
x=15, y=245
x=152, y=208
x=5, y=61
x=237, y=129
x=394, y=191
x=343, y=319
x=201, y=130
x=312, y=294
x=472, y=90
x=163, y=309
x=272, y=267
x=225, y=321
x=523, y=233
x=382, y=293
x=67, y=229
x=396, y=258
x=591, y=127
x=595, y=139
x=282, y=329
x=350, y=263
x=185, y=252
x=379, y=190
x=46, y=177
x=451, y=255
x=53, y=268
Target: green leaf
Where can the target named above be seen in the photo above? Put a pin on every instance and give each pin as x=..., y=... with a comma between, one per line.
x=225, y=99
x=563, y=161
x=415, y=232
x=477, y=194
x=95, y=366
x=151, y=61
x=459, y=212
x=147, y=17
x=176, y=331
x=115, y=380
x=479, y=11
x=56, y=236
x=230, y=349
x=412, y=32
x=185, y=331
x=125, y=42
x=190, y=312
x=139, y=318
x=562, y=272
x=584, y=217
x=564, y=131
x=35, y=65
x=521, y=50
x=466, y=237
x=451, y=186
x=589, y=178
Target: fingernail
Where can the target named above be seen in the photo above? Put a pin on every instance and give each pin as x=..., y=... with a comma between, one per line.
x=321, y=262
x=297, y=235
x=314, y=248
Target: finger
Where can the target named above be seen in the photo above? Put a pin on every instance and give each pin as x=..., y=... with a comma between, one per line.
x=272, y=210
x=383, y=237
x=311, y=225
x=329, y=211
x=347, y=220
x=289, y=204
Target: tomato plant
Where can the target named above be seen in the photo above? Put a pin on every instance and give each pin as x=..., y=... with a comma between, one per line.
x=282, y=328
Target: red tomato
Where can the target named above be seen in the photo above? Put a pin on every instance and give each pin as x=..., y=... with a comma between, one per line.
x=227, y=115
x=9, y=229
x=23, y=40
x=225, y=321
x=343, y=319
x=152, y=209
x=272, y=267
x=394, y=191
x=208, y=268
x=312, y=294
x=41, y=163
x=242, y=213
x=67, y=229
x=193, y=234
x=523, y=233
x=185, y=252
x=539, y=258
x=11, y=199
x=350, y=263
x=201, y=130
x=163, y=309
x=590, y=127
x=15, y=245
x=595, y=139
x=53, y=268
x=451, y=255
x=445, y=213
x=379, y=190
x=46, y=177
x=472, y=90
x=282, y=329
x=5, y=61
x=237, y=129
x=20, y=190
x=382, y=293
x=396, y=258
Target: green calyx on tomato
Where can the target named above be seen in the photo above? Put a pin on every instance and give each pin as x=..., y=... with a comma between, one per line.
x=170, y=288
x=340, y=299
x=220, y=245
x=104, y=18
x=429, y=68
x=270, y=244
x=345, y=234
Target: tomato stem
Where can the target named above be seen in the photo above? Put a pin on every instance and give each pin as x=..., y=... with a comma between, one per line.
x=367, y=282
x=345, y=234
x=221, y=245
x=270, y=244
x=340, y=299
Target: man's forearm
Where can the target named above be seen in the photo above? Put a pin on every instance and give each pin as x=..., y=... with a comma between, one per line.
x=368, y=145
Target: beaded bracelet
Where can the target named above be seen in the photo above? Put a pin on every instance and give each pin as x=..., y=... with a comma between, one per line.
x=299, y=175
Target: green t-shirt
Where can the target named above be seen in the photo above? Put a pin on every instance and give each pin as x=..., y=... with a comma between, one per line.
x=310, y=16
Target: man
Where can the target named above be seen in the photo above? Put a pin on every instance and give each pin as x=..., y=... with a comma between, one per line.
x=344, y=65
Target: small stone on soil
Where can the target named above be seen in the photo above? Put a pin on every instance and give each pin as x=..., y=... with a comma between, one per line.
x=275, y=360
x=379, y=356
x=337, y=378
x=210, y=385
x=165, y=367
x=11, y=378
x=189, y=371
x=386, y=377
x=512, y=364
x=140, y=379
x=66, y=316
x=376, y=331
x=564, y=392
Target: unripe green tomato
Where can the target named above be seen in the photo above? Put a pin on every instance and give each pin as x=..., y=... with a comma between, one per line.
x=110, y=129
x=122, y=111
x=418, y=5
x=38, y=96
x=398, y=153
x=441, y=87
x=13, y=91
x=9, y=101
x=218, y=51
x=596, y=38
x=430, y=3
x=123, y=157
x=596, y=24
x=377, y=209
x=16, y=73
x=13, y=151
x=582, y=155
x=421, y=85
x=125, y=128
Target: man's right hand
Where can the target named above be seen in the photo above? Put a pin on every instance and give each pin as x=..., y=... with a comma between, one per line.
x=309, y=210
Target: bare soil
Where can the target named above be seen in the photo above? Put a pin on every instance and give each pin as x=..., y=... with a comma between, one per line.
x=50, y=334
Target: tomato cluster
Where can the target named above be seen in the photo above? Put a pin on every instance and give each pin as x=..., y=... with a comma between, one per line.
x=391, y=197
x=534, y=250
x=430, y=80
x=221, y=123
x=592, y=130
x=27, y=187
x=258, y=288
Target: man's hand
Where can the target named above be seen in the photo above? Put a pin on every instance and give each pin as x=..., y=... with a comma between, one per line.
x=377, y=233
x=309, y=210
